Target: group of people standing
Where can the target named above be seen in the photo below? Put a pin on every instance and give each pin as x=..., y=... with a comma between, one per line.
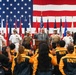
x=53, y=56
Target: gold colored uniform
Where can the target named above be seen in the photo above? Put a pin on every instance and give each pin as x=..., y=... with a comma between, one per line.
x=35, y=62
x=67, y=64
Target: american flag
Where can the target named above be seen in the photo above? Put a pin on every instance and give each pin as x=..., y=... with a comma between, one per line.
x=51, y=9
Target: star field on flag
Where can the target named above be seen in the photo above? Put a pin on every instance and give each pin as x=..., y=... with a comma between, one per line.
x=14, y=9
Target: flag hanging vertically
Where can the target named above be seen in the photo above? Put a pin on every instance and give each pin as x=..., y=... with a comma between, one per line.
x=20, y=28
x=55, y=24
x=10, y=30
x=65, y=29
x=25, y=28
x=41, y=21
x=30, y=23
x=6, y=34
x=72, y=26
x=36, y=25
x=47, y=26
x=60, y=30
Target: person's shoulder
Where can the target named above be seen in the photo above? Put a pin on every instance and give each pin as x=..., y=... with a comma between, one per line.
x=3, y=56
x=38, y=33
x=25, y=36
x=11, y=35
x=70, y=36
x=1, y=36
x=64, y=57
x=17, y=34
x=28, y=57
x=64, y=37
x=58, y=35
x=52, y=35
x=45, y=33
x=50, y=55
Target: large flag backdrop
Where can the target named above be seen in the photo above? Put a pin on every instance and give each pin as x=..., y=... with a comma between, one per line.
x=49, y=9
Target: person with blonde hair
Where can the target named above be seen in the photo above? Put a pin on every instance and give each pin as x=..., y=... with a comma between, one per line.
x=22, y=65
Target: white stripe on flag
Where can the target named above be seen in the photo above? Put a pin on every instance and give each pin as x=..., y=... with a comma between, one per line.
x=52, y=18
x=54, y=7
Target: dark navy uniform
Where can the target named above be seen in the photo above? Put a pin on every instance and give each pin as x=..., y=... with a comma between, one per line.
x=23, y=68
x=67, y=65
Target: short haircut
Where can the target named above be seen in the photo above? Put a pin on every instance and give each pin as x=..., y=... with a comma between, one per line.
x=12, y=46
x=62, y=43
x=70, y=48
x=53, y=45
x=26, y=45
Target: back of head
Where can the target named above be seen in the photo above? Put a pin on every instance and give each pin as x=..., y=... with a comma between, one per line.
x=70, y=49
x=43, y=48
x=74, y=37
x=4, y=51
x=26, y=45
x=62, y=43
x=19, y=57
x=12, y=46
x=21, y=49
x=57, y=43
x=53, y=45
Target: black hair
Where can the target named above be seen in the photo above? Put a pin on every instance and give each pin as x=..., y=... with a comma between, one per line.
x=26, y=45
x=62, y=43
x=70, y=48
x=43, y=57
x=12, y=46
x=4, y=51
x=57, y=43
x=53, y=45
x=74, y=37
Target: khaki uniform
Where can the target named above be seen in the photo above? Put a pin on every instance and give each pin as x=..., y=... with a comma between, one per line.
x=55, y=38
x=27, y=39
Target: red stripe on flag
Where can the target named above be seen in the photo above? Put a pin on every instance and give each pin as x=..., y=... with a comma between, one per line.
x=51, y=24
x=57, y=2
x=55, y=13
